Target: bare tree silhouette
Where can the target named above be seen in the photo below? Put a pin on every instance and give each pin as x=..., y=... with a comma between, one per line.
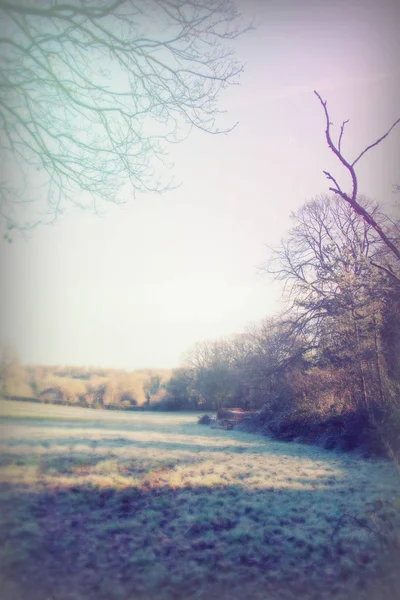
x=91, y=92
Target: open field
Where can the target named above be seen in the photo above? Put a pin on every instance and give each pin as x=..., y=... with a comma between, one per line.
x=114, y=506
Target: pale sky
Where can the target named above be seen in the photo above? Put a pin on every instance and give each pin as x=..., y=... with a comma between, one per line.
x=138, y=286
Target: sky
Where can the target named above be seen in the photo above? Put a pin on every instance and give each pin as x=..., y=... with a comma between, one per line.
x=140, y=284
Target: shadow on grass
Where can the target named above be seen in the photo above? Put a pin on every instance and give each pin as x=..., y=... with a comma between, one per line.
x=161, y=543
x=115, y=435
x=112, y=443
x=85, y=463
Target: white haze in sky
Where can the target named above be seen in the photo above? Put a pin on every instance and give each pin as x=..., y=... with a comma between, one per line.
x=138, y=286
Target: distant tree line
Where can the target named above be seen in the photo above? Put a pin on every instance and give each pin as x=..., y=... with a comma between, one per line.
x=79, y=386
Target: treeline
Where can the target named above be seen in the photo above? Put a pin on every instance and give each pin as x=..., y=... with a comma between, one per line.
x=78, y=386
x=328, y=368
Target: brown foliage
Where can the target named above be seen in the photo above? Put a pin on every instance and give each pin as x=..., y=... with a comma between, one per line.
x=322, y=391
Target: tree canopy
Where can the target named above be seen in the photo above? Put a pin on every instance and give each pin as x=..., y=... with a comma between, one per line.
x=91, y=92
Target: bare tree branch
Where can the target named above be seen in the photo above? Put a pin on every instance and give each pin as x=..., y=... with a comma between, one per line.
x=92, y=92
x=378, y=141
x=352, y=198
x=386, y=270
x=341, y=133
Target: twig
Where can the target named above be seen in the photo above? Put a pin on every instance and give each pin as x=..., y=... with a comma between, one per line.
x=378, y=141
x=341, y=133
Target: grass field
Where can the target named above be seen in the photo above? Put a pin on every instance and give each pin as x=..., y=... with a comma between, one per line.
x=125, y=506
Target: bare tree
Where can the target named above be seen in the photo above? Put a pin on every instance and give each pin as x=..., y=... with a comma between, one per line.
x=325, y=262
x=352, y=197
x=92, y=90
x=335, y=296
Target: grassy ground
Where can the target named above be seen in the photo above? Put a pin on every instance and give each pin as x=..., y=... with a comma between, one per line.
x=116, y=506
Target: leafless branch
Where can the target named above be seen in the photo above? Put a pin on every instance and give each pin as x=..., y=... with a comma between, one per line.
x=341, y=133
x=352, y=198
x=386, y=270
x=92, y=92
x=378, y=141
x=337, y=189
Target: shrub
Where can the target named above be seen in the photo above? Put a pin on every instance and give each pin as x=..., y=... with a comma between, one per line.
x=204, y=420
